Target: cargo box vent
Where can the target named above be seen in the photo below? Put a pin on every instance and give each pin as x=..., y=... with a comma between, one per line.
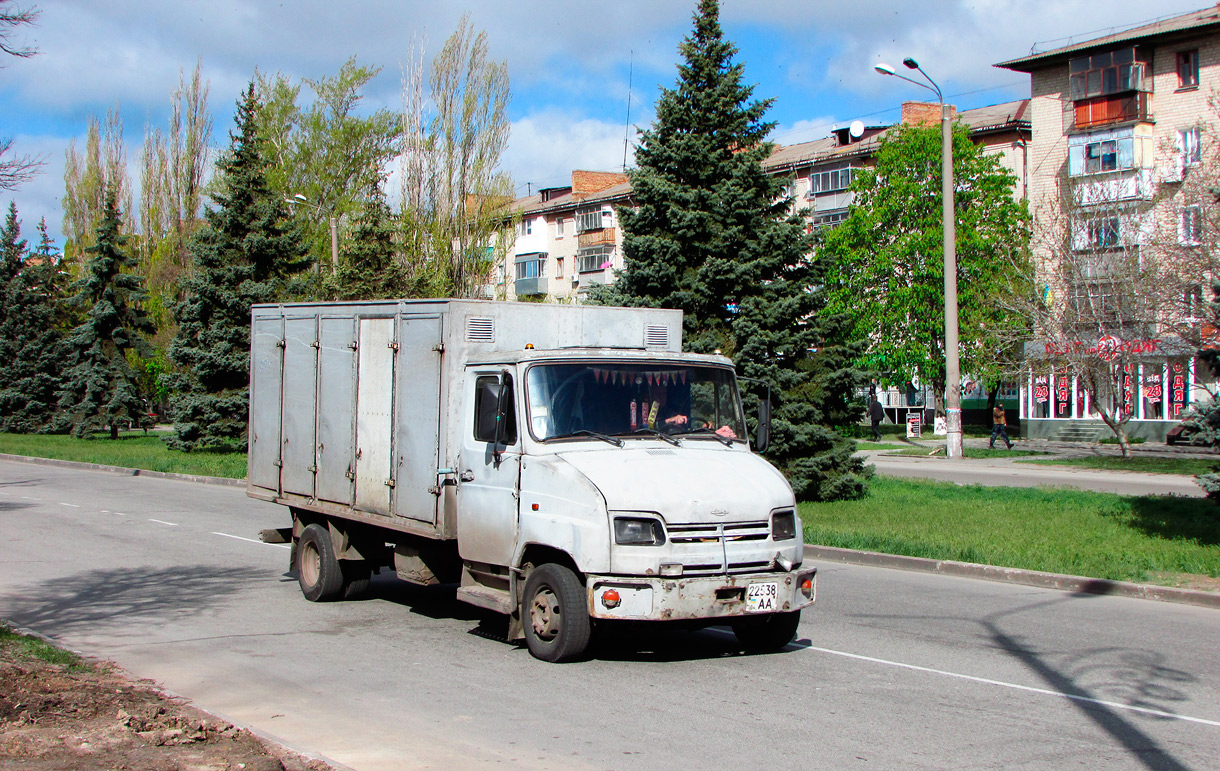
x=656, y=336
x=480, y=329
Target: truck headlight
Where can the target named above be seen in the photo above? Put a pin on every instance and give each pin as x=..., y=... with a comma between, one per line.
x=638, y=531
x=783, y=525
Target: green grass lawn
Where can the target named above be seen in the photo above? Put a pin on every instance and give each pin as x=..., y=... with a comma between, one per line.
x=130, y=450
x=1142, y=464
x=1097, y=535
x=21, y=646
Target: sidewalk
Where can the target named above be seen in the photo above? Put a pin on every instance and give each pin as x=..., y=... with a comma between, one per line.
x=1011, y=472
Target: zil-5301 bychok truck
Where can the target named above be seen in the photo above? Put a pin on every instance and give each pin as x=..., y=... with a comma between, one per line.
x=563, y=465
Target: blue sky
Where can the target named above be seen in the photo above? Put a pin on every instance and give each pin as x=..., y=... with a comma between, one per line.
x=570, y=63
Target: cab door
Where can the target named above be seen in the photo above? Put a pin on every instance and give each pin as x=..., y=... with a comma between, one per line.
x=487, y=496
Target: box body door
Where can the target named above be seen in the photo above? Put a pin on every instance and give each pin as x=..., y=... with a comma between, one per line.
x=418, y=413
x=336, y=410
x=266, y=376
x=374, y=414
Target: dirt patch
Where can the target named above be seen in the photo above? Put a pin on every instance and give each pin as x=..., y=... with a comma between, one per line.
x=1186, y=581
x=94, y=717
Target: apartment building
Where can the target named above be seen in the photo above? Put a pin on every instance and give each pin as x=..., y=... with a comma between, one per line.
x=1118, y=123
x=568, y=238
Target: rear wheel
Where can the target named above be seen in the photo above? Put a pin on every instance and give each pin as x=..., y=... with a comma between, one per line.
x=554, y=614
x=318, y=571
x=759, y=634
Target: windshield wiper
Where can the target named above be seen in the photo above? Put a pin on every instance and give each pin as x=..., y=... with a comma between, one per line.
x=586, y=432
x=709, y=431
x=654, y=432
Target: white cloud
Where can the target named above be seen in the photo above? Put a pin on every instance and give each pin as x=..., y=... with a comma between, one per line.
x=546, y=147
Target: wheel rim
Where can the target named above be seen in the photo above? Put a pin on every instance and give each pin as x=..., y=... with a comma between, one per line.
x=544, y=614
x=311, y=564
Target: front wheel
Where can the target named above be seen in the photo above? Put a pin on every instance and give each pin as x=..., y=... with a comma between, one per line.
x=554, y=614
x=760, y=634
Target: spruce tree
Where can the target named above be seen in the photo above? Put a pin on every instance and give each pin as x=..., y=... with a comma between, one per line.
x=368, y=268
x=245, y=253
x=100, y=388
x=715, y=235
x=31, y=341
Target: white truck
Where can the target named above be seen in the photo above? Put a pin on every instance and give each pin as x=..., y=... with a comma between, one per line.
x=564, y=465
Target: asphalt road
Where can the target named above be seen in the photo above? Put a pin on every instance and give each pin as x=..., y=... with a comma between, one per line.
x=891, y=669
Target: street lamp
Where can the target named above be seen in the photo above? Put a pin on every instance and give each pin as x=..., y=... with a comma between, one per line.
x=300, y=198
x=953, y=379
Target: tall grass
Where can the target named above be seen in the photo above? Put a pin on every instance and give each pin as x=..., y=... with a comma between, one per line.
x=130, y=450
x=1097, y=535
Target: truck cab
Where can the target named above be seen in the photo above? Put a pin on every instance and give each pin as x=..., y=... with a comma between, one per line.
x=632, y=473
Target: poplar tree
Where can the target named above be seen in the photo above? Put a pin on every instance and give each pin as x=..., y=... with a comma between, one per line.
x=245, y=253
x=101, y=389
x=31, y=342
x=717, y=236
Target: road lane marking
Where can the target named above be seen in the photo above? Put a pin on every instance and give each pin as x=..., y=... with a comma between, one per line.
x=73, y=505
x=163, y=522
x=1029, y=689
x=251, y=540
x=31, y=498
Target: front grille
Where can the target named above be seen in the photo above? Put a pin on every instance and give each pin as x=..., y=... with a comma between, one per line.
x=711, y=549
x=737, y=531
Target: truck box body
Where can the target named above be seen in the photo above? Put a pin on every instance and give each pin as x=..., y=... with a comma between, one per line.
x=527, y=451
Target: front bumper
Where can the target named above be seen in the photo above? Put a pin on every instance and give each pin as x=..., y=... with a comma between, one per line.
x=649, y=598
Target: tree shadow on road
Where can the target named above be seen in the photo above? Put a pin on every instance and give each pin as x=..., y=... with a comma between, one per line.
x=108, y=600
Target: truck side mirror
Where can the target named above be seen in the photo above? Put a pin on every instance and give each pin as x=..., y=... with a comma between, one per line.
x=487, y=422
x=762, y=434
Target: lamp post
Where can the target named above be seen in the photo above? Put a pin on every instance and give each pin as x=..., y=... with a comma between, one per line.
x=300, y=198
x=953, y=378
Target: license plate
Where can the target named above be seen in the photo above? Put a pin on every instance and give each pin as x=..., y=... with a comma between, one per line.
x=762, y=597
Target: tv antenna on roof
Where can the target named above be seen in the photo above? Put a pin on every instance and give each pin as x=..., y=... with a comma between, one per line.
x=627, y=127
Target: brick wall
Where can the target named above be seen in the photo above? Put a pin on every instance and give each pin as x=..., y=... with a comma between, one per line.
x=589, y=182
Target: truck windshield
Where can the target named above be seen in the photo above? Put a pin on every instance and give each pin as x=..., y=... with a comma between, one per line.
x=617, y=400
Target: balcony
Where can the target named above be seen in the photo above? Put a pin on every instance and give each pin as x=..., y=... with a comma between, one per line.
x=525, y=287
x=1109, y=110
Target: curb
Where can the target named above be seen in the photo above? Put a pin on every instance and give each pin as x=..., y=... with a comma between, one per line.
x=1037, y=578
x=133, y=472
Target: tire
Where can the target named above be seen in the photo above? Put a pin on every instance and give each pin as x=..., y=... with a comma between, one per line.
x=318, y=571
x=554, y=614
x=761, y=634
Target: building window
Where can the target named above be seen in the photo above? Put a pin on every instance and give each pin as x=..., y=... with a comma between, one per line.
x=594, y=259
x=1188, y=68
x=1101, y=156
x=592, y=220
x=1101, y=152
x=531, y=266
x=527, y=227
x=1190, y=146
x=1190, y=225
x=1097, y=234
x=558, y=267
x=829, y=219
x=1110, y=72
x=559, y=223
x=830, y=180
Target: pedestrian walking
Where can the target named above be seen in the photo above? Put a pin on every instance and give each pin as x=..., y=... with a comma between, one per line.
x=876, y=414
x=999, y=425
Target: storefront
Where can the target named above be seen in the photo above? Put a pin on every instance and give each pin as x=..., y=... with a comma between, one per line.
x=1155, y=383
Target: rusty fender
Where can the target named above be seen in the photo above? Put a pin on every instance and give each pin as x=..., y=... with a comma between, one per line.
x=651, y=598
